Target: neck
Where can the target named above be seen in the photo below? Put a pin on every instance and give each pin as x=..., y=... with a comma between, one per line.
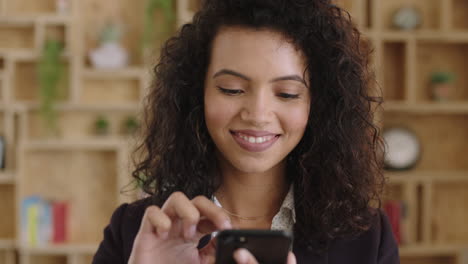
x=252, y=195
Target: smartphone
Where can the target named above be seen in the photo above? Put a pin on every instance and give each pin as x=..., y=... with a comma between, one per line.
x=268, y=246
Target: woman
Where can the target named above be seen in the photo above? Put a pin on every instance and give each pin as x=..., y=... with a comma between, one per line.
x=259, y=117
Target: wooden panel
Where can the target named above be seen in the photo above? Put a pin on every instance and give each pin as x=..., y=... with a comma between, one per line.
x=443, y=138
x=27, y=7
x=79, y=125
x=56, y=32
x=459, y=19
x=7, y=203
x=87, y=179
x=449, y=214
x=394, y=71
x=429, y=260
x=27, y=89
x=429, y=10
x=36, y=259
x=16, y=37
x=433, y=57
x=110, y=91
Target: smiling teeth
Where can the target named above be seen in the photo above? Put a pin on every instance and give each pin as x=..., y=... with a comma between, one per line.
x=256, y=140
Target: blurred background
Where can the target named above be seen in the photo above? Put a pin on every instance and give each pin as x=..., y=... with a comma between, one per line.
x=73, y=74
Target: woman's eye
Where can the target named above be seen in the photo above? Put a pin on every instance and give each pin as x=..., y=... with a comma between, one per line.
x=288, y=96
x=230, y=91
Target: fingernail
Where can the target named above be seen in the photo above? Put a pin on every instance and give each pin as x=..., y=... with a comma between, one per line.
x=241, y=255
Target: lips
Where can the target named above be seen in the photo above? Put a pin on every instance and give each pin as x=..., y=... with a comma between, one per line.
x=254, y=141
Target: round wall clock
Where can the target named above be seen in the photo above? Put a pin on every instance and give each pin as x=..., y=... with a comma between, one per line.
x=403, y=148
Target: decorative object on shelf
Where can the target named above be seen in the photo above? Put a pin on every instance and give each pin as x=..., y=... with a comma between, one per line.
x=43, y=221
x=152, y=30
x=407, y=18
x=403, y=148
x=396, y=212
x=442, y=85
x=131, y=125
x=2, y=152
x=50, y=71
x=62, y=6
x=110, y=54
x=102, y=125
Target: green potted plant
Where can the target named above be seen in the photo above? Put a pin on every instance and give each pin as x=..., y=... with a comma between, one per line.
x=152, y=30
x=50, y=71
x=102, y=125
x=131, y=125
x=442, y=85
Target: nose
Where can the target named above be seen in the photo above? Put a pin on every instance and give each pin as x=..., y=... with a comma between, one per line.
x=257, y=109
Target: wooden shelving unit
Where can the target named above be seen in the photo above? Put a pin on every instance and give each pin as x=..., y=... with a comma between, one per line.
x=436, y=189
x=91, y=170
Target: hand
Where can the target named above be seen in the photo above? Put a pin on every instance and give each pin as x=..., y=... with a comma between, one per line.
x=170, y=234
x=243, y=256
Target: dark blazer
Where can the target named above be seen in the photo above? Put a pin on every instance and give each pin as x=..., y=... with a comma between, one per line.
x=376, y=246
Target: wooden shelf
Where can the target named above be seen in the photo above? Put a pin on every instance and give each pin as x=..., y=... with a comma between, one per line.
x=7, y=177
x=7, y=244
x=427, y=176
x=32, y=20
x=64, y=249
x=130, y=72
x=427, y=108
x=92, y=144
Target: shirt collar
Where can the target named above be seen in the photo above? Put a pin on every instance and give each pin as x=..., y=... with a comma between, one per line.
x=288, y=203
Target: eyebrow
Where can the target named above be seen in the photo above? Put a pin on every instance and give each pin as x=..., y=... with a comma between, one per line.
x=293, y=77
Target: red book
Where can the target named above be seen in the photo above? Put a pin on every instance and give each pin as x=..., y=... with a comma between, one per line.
x=393, y=210
x=59, y=220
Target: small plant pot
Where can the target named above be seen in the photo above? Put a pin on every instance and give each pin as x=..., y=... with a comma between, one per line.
x=441, y=92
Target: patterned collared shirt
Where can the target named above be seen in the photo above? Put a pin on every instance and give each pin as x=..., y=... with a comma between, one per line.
x=286, y=216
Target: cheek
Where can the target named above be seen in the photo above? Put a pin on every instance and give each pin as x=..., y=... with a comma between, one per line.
x=218, y=113
x=295, y=120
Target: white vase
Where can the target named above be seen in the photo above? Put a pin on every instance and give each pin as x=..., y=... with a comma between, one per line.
x=110, y=55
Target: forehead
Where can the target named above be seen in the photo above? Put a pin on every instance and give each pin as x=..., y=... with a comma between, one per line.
x=249, y=49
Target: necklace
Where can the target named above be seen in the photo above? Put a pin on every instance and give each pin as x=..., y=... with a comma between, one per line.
x=246, y=218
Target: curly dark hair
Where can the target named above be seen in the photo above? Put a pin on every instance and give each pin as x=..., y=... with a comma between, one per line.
x=336, y=168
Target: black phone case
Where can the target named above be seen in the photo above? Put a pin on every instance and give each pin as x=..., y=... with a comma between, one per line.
x=268, y=246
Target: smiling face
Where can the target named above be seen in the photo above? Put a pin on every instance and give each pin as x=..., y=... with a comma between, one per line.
x=256, y=99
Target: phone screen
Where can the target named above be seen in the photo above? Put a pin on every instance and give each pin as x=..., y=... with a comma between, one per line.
x=268, y=246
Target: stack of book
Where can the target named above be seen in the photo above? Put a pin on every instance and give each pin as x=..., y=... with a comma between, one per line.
x=43, y=221
x=396, y=212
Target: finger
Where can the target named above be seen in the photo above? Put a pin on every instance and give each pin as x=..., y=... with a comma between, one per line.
x=156, y=221
x=179, y=206
x=243, y=256
x=213, y=213
x=291, y=258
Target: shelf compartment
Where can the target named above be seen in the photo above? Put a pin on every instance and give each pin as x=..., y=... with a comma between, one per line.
x=7, y=256
x=111, y=91
x=85, y=178
x=27, y=89
x=449, y=214
x=439, y=56
x=7, y=203
x=79, y=125
x=459, y=11
x=16, y=37
x=26, y=7
x=58, y=33
x=46, y=259
x=449, y=259
x=430, y=11
x=443, y=139
x=394, y=71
